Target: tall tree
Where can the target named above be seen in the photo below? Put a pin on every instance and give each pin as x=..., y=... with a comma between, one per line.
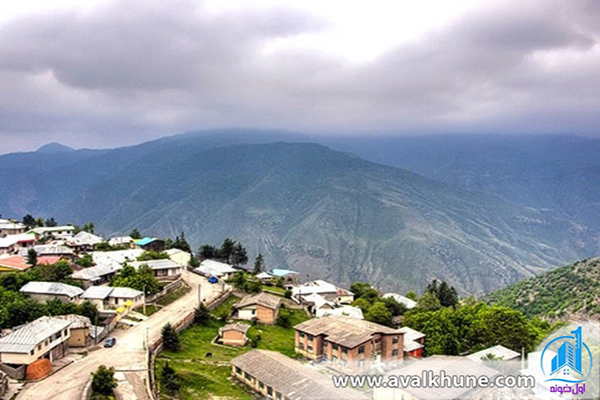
x=135, y=234
x=29, y=221
x=170, y=338
x=170, y=379
x=226, y=250
x=239, y=255
x=32, y=257
x=51, y=222
x=207, y=252
x=259, y=263
x=103, y=380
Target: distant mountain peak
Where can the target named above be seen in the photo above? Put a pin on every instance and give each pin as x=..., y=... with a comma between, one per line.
x=54, y=148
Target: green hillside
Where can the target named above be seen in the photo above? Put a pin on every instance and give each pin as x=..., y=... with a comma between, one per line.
x=571, y=291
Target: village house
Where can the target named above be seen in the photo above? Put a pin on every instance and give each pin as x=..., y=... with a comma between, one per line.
x=408, y=303
x=414, y=342
x=82, y=330
x=179, y=256
x=495, y=353
x=13, y=244
x=148, y=243
x=263, y=307
x=163, y=269
x=56, y=232
x=265, y=277
x=342, y=311
x=46, y=337
x=217, y=269
x=116, y=257
x=53, y=250
x=234, y=334
x=121, y=241
x=276, y=376
x=316, y=303
x=96, y=275
x=19, y=264
x=84, y=241
x=44, y=291
x=107, y=297
x=452, y=366
x=8, y=227
x=327, y=290
x=349, y=343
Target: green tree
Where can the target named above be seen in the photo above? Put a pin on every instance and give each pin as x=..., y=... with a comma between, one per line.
x=239, y=255
x=29, y=221
x=194, y=262
x=170, y=338
x=364, y=290
x=363, y=304
x=393, y=306
x=447, y=295
x=51, y=222
x=207, y=252
x=169, y=379
x=149, y=255
x=32, y=257
x=259, y=264
x=226, y=250
x=88, y=309
x=103, y=380
x=181, y=243
x=284, y=318
x=135, y=234
x=89, y=227
x=86, y=261
x=429, y=302
x=411, y=295
x=201, y=314
x=141, y=279
x=379, y=314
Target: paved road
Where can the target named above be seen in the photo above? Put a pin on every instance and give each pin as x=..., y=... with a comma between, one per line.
x=128, y=356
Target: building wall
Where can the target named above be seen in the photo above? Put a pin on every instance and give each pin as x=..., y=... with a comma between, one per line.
x=79, y=337
x=308, y=345
x=265, y=315
x=233, y=338
x=255, y=384
x=47, y=297
x=247, y=313
x=40, y=350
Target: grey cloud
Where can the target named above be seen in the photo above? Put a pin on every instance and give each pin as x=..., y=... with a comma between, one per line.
x=134, y=70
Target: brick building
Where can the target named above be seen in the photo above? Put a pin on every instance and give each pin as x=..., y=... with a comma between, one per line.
x=349, y=343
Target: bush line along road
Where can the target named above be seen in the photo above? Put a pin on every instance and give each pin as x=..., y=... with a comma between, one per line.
x=127, y=357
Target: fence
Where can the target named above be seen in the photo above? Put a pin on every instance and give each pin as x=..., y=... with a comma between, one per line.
x=171, y=287
x=14, y=373
x=156, y=347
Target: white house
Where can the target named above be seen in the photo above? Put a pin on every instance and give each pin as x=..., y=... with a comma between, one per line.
x=107, y=297
x=120, y=241
x=179, y=256
x=58, y=232
x=84, y=241
x=343, y=311
x=327, y=290
x=215, y=268
x=44, y=291
x=164, y=268
x=45, y=337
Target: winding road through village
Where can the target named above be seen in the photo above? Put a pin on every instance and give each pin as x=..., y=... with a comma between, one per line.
x=128, y=357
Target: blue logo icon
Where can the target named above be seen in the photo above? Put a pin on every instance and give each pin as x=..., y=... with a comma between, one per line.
x=568, y=364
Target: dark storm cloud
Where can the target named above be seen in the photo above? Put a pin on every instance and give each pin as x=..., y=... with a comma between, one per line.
x=133, y=70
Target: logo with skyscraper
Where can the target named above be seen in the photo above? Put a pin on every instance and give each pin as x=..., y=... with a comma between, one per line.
x=572, y=361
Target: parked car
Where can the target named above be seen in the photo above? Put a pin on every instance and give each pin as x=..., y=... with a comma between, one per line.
x=213, y=279
x=110, y=342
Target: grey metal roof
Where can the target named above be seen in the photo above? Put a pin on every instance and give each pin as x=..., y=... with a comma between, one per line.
x=498, y=351
x=97, y=272
x=97, y=292
x=125, y=293
x=51, y=288
x=291, y=378
x=157, y=264
x=30, y=335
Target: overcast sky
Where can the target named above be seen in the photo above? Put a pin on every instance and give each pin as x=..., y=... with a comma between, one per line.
x=110, y=73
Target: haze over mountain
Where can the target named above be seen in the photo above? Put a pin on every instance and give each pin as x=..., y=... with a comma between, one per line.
x=325, y=213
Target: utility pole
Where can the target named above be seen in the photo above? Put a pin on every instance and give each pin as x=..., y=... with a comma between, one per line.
x=199, y=295
x=144, y=299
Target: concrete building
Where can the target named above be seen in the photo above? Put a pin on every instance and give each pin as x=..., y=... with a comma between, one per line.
x=217, y=269
x=325, y=289
x=14, y=244
x=408, y=303
x=414, y=342
x=349, y=343
x=81, y=330
x=9, y=227
x=263, y=307
x=164, y=268
x=276, y=376
x=234, y=334
x=57, y=232
x=97, y=275
x=44, y=291
x=179, y=256
x=148, y=243
x=46, y=337
x=107, y=297
x=84, y=241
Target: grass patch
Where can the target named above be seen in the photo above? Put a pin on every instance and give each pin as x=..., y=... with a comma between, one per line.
x=226, y=307
x=150, y=309
x=203, y=381
x=274, y=290
x=171, y=297
x=279, y=339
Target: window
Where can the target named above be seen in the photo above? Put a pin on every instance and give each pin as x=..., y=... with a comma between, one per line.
x=344, y=350
x=31, y=353
x=39, y=347
x=334, y=359
x=278, y=396
x=56, y=336
x=361, y=363
x=395, y=353
x=310, y=348
x=361, y=349
x=301, y=334
x=301, y=345
x=334, y=346
x=377, y=341
x=261, y=385
x=310, y=337
x=270, y=390
x=238, y=370
x=395, y=340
